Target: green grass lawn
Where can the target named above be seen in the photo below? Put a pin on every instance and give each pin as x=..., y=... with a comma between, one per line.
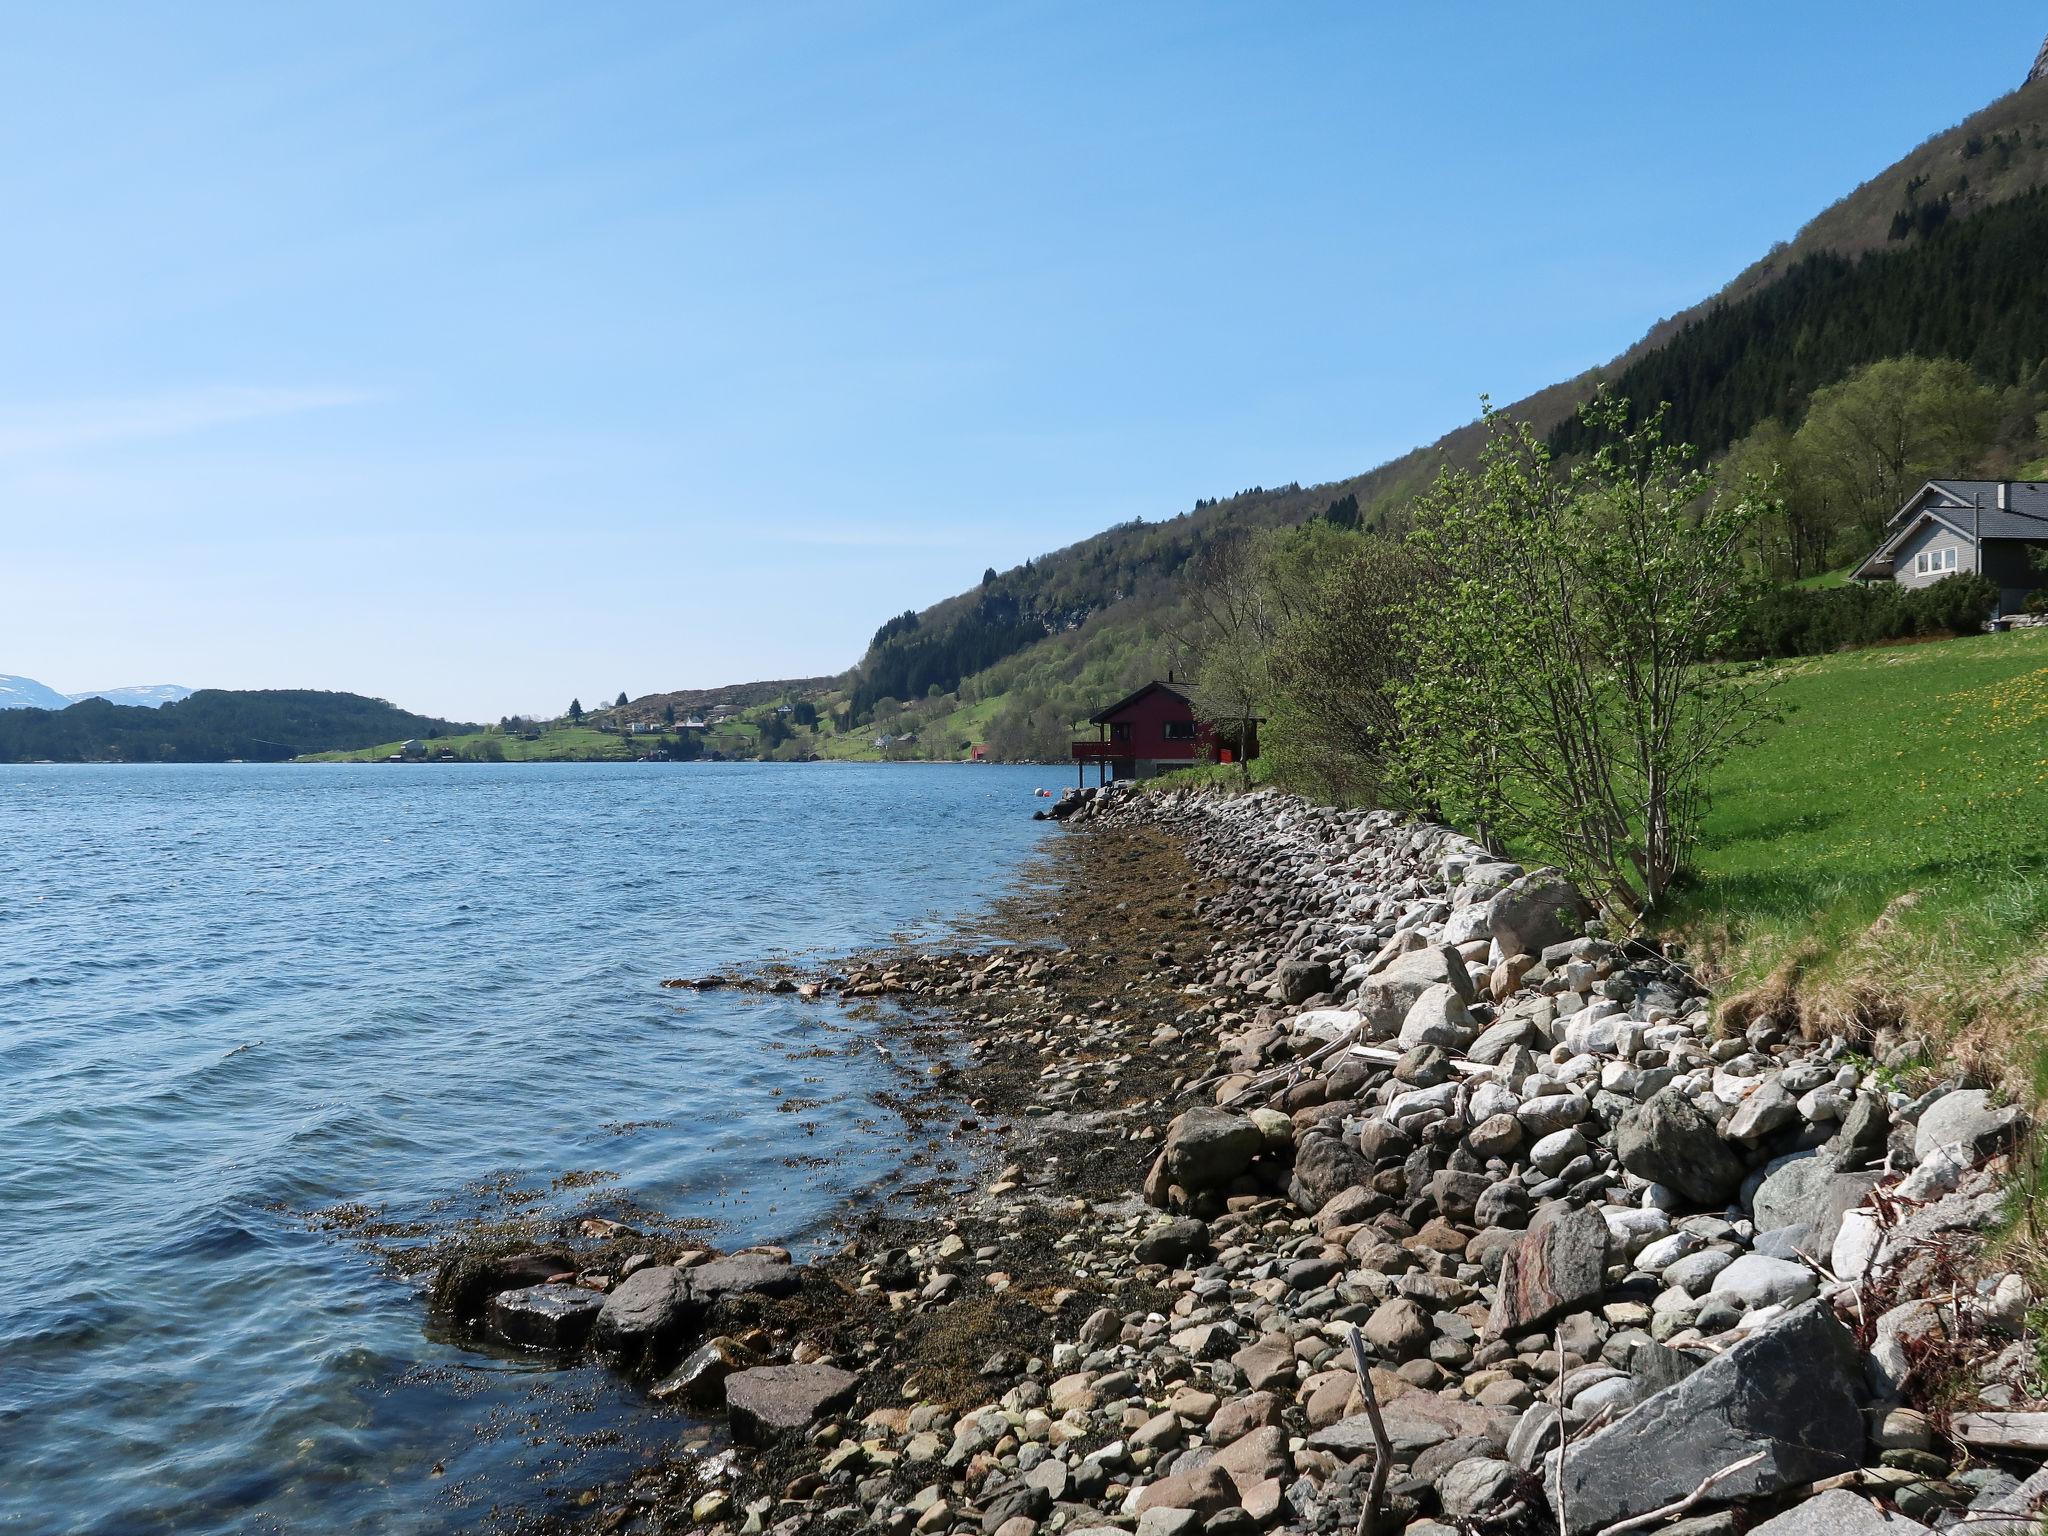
x=1904, y=783
x=1826, y=579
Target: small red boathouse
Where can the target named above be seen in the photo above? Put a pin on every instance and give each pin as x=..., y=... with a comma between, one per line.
x=1156, y=729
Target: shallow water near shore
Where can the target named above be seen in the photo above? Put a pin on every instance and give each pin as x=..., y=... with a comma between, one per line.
x=234, y=997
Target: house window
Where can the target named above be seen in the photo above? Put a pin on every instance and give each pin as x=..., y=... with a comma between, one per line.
x=1934, y=562
x=1120, y=730
x=1180, y=730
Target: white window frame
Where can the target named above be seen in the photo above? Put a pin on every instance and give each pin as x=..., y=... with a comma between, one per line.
x=1936, y=562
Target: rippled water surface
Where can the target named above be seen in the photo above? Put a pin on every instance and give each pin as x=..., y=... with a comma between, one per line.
x=234, y=996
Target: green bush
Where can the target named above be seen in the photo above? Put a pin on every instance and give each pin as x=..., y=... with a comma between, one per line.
x=1805, y=621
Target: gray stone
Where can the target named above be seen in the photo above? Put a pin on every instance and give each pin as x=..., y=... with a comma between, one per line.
x=646, y=1311
x=1809, y=1191
x=1170, y=1242
x=1474, y=1485
x=1964, y=1119
x=1557, y=1266
x=1299, y=980
x=1206, y=1147
x=1538, y=910
x=1206, y=1489
x=2021, y=1505
x=1839, y=1512
x=772, y=1400
x=555, y=1317
x=1768, y=1108
x=1790, y=1390
x=1384, y=1000
x=742, y=1274
x=1758, y=1281
x=1669, y=1141
x=1323, y=1168
x=1437, y=1017
x=1415, y=1421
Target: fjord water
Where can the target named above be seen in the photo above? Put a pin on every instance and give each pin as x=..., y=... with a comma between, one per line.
x=234, y=996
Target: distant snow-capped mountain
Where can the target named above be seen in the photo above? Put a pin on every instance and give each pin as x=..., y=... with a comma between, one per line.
x=27, y=693
x=151, y=695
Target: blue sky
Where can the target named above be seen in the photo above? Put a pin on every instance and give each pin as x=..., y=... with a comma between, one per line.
x=479, y=355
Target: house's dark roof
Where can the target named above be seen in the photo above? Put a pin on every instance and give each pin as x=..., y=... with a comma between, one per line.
x=1104, y=716
x=1971, y=508
x=2024, y=516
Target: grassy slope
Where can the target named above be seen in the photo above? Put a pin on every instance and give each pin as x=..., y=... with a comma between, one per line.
x=1889, y=838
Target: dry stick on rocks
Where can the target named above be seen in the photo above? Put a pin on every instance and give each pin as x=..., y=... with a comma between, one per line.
x=1680, y=1506
x=1291, y=1070
x=1383, y=1449
x=1564, y=1432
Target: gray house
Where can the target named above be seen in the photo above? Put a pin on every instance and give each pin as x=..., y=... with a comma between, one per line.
x=1982, y=527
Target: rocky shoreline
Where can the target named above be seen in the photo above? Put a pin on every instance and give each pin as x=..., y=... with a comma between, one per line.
x=1345, y=1173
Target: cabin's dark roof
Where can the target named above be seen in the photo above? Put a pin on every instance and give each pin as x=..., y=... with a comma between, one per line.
x=1104, y=716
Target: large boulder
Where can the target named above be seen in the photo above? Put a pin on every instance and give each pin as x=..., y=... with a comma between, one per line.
x=1208, y=1147
x=1965, y=1121
x=1808, y=1191
x=1671, y=1141
x=1790, y=1392
x=1558, y=1266
x=646, y=1312
x=1533, y=913
x=551, y=1317
x=772, y=1400
x=1383, y=999
x=742, y=1274
x=1324, y=1168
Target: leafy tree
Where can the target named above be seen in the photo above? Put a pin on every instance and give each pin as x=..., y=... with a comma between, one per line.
x=1562, y=698
x=668, y=715
x=804, y=713
x=1226, y=627
x=1339, y=658
x=1887, y=429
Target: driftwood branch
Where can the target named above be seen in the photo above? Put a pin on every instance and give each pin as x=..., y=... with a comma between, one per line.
x=1383, y=1449
x=1680, y=1506
x=1293, y=1069
x=1564, y=1432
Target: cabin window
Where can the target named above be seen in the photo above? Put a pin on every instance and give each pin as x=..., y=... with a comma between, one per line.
x=1180, y=730
x=1120, y=730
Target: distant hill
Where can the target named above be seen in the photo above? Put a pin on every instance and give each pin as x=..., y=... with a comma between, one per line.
x=27, y=693
x=212, y=725
x=153, y=695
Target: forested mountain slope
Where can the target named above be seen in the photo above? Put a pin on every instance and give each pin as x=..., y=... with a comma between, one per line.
x=1937, y=254
x=213, y=725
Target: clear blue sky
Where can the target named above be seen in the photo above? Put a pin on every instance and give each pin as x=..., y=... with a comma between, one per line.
x=479, y=355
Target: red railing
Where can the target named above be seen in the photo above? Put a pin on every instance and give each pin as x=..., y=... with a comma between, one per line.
x=1095, y=751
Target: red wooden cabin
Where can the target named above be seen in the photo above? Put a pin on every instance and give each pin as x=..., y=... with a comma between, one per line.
x=1156, y=729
